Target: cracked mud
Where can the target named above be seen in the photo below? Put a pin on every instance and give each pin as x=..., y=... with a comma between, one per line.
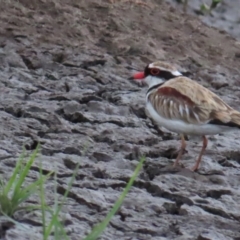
x=64, y=69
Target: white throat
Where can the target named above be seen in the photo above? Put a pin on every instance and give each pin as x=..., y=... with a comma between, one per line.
x=152, y=81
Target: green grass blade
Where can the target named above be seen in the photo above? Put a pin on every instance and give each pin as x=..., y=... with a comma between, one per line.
x=6, y=207
x=54, y=219
x=18, y=224
x=101, y=227
x=42, y=202
x=215, y=3
x=31, y=189
x=30, y=208
x=59, y=232
x=23, y=174
x=14, y=175
x=13, y=193
x=56, y=204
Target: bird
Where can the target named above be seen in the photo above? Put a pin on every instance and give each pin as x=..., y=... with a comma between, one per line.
x=182, y=105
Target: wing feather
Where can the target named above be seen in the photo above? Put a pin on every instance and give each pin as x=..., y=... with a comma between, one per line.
x=183, y=99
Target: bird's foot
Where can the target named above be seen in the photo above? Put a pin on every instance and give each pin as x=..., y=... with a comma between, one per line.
x=178, y=165
x=194, y=168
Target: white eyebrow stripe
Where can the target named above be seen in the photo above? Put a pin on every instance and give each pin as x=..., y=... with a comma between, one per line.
x=151, y=65
x=176, y=73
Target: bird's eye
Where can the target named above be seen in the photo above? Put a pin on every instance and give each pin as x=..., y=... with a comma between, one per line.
x=154, y=71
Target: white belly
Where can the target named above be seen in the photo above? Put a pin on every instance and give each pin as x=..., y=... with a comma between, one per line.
x=179, y=126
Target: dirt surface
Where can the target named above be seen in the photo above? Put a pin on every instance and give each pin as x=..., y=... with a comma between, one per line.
x=64, y=73
x=226, y=16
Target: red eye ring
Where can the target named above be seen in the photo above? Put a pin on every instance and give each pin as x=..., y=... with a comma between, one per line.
x=154, y=71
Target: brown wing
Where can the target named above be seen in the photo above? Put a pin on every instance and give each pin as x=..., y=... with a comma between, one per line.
x=183, y=99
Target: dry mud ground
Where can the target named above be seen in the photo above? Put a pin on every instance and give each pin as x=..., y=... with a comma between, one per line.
x=225, y=17
x=63, y=81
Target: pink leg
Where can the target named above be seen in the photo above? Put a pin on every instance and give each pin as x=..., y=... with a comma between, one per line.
x=182, y=149
x=205, y=143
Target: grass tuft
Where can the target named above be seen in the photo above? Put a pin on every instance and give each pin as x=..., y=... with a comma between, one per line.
x=13, y=192
x=55, y=226
x=102, y=226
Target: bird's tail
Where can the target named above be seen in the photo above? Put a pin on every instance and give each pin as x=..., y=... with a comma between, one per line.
x=226, y=118
x=235, y=118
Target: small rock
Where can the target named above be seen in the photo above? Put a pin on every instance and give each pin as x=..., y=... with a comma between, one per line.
x=218, y=193
x=52, y=76
x=99, y=156
x=212, y=235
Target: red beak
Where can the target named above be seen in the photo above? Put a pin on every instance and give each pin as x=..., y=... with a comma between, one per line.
x=139, y=75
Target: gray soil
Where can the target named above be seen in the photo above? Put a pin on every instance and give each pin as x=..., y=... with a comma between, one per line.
x=64, y=69
x=226, y=16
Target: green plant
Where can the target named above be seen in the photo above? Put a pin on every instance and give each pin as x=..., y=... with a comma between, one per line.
x=13, y=192
x=204, y=8
x=55, y=225
x=97, y=230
